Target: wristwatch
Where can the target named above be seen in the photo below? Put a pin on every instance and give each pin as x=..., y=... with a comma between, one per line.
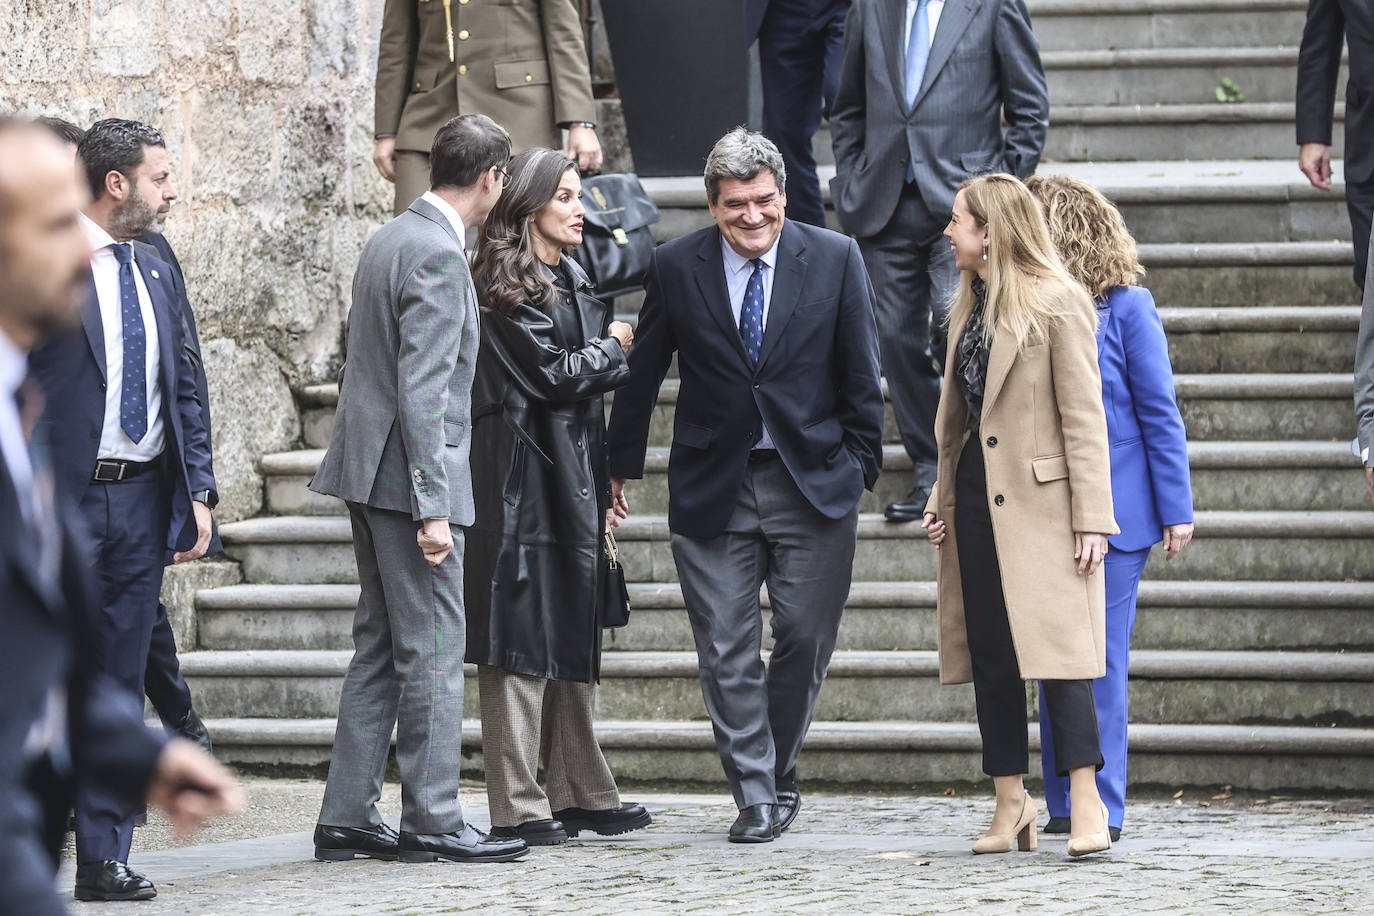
x=587, y=124
x=205, y=496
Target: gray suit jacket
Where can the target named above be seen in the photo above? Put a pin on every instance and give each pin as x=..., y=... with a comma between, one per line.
x=1364, y=367
x=402, y=430
x=984, y=64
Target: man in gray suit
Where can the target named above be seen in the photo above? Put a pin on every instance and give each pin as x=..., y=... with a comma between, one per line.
x=923, y=92
x=399, y=458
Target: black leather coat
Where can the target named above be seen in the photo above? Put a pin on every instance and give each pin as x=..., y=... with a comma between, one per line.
x=533, y=572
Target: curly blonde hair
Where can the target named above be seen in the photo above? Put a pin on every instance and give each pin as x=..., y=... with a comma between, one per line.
x=1088, y=232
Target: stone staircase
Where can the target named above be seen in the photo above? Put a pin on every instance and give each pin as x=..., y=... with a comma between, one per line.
x=1254, y=662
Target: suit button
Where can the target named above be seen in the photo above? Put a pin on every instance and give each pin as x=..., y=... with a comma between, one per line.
x=584, y=491
x=999, y=499
x=756, y=386
x=463, y=35
x=992, y=442
x=578, y=443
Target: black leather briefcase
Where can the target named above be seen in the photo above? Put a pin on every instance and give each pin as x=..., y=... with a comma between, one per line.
x=616, y=239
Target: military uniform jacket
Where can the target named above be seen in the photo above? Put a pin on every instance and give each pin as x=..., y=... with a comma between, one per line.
x=521, y=62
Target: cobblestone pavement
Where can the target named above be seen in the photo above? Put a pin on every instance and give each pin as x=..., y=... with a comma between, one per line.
x=875, y=854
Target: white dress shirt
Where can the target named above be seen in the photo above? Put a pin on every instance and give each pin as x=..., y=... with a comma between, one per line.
x=114, y=442
x=933, y=10
x=450, y=214
x=738, y=270
x=14, y=448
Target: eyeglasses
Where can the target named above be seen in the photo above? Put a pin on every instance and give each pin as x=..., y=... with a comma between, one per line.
x=505, y=176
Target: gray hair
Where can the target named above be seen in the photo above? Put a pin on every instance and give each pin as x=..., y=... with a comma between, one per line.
x=743, y=154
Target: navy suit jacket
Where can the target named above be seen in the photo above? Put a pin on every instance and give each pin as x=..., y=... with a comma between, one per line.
x=1151, y=487
x=48, y=644
x=161, y=249
x=816, y=386
x=71, y=371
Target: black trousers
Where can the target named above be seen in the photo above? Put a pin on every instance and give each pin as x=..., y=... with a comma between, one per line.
x=162, y=681
x=1359, y=203
x=999, y=691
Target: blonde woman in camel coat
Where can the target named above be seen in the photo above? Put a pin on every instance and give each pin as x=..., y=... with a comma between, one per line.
x=1022, y=507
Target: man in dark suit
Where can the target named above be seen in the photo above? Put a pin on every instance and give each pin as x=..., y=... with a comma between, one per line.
x=924, y=89
x=129, y=443
x=778, y=430
x=64, y=723
x=163, y=683
x=801, y=43
x=1331, y=24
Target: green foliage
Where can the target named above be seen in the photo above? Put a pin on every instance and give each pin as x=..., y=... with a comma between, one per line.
x=1228, y=91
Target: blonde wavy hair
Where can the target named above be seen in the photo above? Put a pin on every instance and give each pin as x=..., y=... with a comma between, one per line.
x=1088, y=232
x=1020, y=256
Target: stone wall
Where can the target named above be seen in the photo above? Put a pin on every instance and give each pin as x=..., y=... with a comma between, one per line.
x=267, y=110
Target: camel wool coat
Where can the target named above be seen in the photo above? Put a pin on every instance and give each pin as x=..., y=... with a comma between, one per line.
x=1044, y=443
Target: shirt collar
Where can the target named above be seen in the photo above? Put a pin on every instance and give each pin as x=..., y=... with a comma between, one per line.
x=97, y=236
x=14, y=366
x=736, y=262
x=450, y=214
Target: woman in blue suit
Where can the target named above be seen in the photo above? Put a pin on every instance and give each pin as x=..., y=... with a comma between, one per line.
x=1151, y=492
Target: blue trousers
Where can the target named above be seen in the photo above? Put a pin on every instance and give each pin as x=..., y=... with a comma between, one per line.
x=162, y=680
x=1122, y=569
x=128, y=524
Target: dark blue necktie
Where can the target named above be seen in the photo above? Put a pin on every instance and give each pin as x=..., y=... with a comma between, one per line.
x=751, y=313
x=133, y=406
x=917, y=54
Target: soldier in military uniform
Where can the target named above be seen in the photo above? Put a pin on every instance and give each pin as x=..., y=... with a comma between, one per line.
x=521, y=62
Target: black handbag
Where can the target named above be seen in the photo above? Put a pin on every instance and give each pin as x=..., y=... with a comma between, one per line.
x=616, y=240
x=615, y=600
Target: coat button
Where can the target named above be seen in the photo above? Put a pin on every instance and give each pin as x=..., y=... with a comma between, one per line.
x=756, y=386
x=999, y=499
x=992, y=442
x=584, y=491
x=463, y=35
x=462, y=69
x=529, y=77
x=417, y=85
x=578, y=443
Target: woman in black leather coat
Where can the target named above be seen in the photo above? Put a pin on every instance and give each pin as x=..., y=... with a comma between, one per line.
x=534, y=575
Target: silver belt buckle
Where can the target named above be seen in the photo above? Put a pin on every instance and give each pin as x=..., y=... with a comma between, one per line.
x=103, y=463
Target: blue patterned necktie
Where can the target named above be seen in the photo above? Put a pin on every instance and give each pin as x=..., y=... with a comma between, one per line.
x=917, y=53
x=751, y=313
x=133, y=405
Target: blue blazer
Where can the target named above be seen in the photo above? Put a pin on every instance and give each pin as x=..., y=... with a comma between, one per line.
x=816, y=385
x=1151, y=487
x=71, y=370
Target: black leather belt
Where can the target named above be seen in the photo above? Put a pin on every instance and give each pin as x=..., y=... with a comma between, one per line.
x=760, y=455
x=112, y=470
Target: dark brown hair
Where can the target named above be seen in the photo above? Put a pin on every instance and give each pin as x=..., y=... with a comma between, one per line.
x=506, y=271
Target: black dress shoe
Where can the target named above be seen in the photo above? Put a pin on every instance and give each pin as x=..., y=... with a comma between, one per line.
x=910, y=509
x=607, y=822
x=466, y=845
x=193, y=729
x=1061, y=825
x=111, y=880
x=755, y=824
x=341, y=844
x=534, y=833
x=789, y=803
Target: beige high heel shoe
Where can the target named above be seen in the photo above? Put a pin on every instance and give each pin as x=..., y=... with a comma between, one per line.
x=1092, y=842
x=1023, y=834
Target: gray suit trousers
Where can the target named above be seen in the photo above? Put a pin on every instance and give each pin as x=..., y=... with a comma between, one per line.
x=913, y=273
x=407, y=674
x=760, y=715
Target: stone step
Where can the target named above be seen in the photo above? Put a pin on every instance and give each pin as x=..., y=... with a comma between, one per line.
x=1245, y=545
x=1097, y=133
x=878, y=616
x=1120, y=24
x=1173, y=75
x=1163, y=201
x=1167, y=687
x=1253, y=757
x=1294, y=339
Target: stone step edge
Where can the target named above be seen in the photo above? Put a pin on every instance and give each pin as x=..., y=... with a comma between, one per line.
x=1194, y=113
x=1162, y=58
x=873, y=737
x=1258, y=319
x=304, y=529
x=1147, y=664
x=1117, y=7
x=1210, y=454
x=667, y=596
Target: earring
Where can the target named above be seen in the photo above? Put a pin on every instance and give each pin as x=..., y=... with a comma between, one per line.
x=985, y=252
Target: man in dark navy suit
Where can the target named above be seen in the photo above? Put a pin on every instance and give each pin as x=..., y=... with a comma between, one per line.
x=163, y=683
x=129, y=444
x=778, y=431
x=64, y=724
x=801, y=46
